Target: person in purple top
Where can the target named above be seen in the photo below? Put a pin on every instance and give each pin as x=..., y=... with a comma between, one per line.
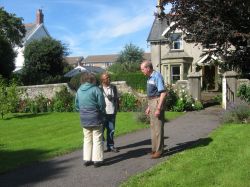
x=156, y=92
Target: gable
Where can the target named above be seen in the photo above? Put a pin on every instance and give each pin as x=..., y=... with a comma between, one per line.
x=36, y=33
x=157, y=29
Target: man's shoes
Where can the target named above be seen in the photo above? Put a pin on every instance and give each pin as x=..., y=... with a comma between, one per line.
x=87, y=163
x=98, y=164
x=156, y=155
x=112, y=149
x=153, y=152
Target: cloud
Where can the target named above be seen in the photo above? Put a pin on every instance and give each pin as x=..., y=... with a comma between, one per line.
x=105, y=27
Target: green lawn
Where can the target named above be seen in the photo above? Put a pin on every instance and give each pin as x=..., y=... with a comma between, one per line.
x=26, y=138
x=222, y=160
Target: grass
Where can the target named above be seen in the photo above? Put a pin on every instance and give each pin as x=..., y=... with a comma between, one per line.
x=26, y=138
x=222, y=160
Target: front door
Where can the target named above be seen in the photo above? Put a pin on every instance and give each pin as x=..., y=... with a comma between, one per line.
x=209, y=77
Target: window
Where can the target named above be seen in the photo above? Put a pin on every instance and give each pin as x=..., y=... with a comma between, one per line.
x=176, y=39
x=175, y=74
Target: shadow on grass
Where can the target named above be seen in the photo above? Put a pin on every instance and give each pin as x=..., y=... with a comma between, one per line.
x=26, y=115
x=188, y=145
x=26, y=169
x=141, y=151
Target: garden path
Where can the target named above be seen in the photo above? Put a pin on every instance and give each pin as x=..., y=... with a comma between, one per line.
x=133, y=158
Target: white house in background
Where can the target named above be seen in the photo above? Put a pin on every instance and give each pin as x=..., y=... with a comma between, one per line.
x=34, y=31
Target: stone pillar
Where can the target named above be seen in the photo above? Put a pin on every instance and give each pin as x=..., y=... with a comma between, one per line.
x=194, y=80
x=229, y=88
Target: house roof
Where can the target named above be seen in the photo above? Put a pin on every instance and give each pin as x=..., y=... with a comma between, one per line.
x=80, y=69
x=76, y=60
x=29, y=28
x=157, y=29
x=109, y=58
x=206, y=60
x=101, y=58
x=35, y=30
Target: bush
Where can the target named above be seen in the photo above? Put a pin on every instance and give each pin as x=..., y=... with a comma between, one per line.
x=136, y=80
x=186, y=103
x=37, y=105
x=140, y=115
x=9, y=96
x=128, y=102
x=237, y=114
x=171, y=99
x=218, y=99
x=244, y=92
x=197, y=105
x=63, y=101
x=179, y=106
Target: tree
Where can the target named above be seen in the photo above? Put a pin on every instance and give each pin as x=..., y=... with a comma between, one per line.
x=11, y=33
x=129, y=59
x=224, y=23
x=44, y=62
x=7, y=57
x=9, y=97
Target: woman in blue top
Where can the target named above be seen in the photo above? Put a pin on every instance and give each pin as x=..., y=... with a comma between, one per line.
x=90, y=103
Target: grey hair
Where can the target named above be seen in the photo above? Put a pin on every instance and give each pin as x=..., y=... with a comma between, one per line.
x=87, y=77
x=147, y=64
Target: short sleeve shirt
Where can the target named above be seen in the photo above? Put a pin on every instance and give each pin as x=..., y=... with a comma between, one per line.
x=155, y=84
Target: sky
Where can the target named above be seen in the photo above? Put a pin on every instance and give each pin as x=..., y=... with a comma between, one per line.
x=91, y=27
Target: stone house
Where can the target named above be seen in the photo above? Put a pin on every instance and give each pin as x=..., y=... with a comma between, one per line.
x=105, y=61
x=176, y=59
x=34, y=31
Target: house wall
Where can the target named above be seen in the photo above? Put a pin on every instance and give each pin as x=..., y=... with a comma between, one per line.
x=157, y=50
x=193, y=51
x=39, y=33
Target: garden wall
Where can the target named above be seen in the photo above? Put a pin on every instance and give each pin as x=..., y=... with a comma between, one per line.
x=49, y=90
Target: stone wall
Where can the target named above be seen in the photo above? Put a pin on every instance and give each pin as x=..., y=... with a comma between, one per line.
x=47, y=90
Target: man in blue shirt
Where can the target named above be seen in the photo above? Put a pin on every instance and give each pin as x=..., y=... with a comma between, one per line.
x=156, y=92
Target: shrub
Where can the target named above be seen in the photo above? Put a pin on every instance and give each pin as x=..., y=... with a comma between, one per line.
x=140, y=115
x=218, y=99
x=197, y=105
x=171, y=99
x=244, y=92
x=63, y=101
x=237, y=113
x=136, y=80
x=128, y=102
x=9, y=97
x=37, y=105
x=179, y=106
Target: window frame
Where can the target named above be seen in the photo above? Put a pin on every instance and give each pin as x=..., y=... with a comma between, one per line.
x=173, y=81
x=175, y=42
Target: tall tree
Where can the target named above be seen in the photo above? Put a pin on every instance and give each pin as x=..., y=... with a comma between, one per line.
x=131, y=54
x=44, y=62
x=129, y=58
x=220, y=22
x=11, y=33
x=7, y=57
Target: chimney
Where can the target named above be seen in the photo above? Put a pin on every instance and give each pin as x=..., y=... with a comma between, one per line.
x=39, y=17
